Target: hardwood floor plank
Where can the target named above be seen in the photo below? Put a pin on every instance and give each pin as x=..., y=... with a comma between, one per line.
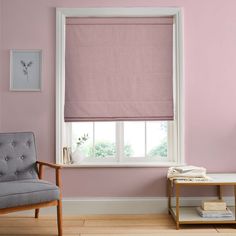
x=37, y=230
x=178, y=233
x=124, y=217
x=226, y=229
x=96, y=230
x=38, y=222
x=143, y=229
x=121, y=225
x=129, y=222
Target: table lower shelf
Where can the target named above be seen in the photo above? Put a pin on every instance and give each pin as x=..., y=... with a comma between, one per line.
x=189, y=215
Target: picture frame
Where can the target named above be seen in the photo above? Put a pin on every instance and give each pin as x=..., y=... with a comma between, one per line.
x=25, y=70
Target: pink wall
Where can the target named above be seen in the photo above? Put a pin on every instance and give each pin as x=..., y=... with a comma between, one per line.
x=210, y=85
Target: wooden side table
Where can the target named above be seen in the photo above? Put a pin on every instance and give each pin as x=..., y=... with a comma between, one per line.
x=189, y=215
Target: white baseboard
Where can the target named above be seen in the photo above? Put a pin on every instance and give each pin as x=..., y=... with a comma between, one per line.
x=117, y=205
x=122, y=205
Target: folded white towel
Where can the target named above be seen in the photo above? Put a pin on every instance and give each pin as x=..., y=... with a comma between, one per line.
x=183, y=169
x=186, y=171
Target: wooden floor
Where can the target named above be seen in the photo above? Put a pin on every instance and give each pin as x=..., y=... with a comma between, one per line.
x=133, y=225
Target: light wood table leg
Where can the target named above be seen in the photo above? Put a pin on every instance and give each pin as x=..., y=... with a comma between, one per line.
x=219, y=191
x=36, y=214
x=169, y=195
x=235, y=202
x=177, y=205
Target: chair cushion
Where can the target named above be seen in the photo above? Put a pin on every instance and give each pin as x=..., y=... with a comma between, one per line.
x=26, y=192
x=17, y=156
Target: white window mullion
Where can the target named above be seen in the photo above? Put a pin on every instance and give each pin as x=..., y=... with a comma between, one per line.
x=69, y=134
x=93, y=139
x=120, y=141
x=145, y=139
x=170, y=141
x=118, y=152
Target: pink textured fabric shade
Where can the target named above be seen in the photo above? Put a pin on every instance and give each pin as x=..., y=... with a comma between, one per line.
x=119, y=69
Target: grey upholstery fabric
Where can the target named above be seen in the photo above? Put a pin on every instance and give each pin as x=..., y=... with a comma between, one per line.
x=26, y=192
x=19, y=183
x=17, y=156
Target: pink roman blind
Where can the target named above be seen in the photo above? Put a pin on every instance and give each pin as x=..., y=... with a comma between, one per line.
x=119, y=69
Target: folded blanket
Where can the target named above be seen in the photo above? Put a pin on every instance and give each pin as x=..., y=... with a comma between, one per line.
x=191, y=179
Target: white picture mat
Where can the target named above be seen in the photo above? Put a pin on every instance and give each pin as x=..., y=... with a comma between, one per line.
x=28, y=77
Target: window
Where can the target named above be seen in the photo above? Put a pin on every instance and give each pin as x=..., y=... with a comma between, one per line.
x=118, y=143
x=122, y=142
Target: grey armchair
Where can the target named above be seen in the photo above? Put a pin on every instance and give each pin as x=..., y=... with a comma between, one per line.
x=21, y=184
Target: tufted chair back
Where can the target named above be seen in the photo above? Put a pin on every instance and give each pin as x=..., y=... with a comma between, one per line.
x=17, y=156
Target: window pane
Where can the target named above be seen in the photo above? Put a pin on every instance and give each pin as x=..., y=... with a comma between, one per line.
x=105, y=139
x=156, y=138
x=134, y=139
x=82, y=137
x=98, y=139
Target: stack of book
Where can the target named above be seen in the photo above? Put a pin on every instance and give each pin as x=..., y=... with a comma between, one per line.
x=214, y=209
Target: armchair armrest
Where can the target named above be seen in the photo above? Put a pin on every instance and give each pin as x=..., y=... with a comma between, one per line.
x=54, y=166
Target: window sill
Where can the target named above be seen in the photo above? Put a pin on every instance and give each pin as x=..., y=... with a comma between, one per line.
x=121, y=165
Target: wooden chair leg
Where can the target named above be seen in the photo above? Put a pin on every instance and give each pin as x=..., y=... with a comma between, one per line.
x=59, y=217
x=36, y=213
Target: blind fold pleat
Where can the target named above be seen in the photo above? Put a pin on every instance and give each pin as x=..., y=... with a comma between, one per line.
x=119, y=69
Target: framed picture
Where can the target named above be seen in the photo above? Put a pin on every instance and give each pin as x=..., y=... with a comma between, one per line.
x=25, y=70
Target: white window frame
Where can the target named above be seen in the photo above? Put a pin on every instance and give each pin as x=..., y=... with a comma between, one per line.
x=178, y=86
